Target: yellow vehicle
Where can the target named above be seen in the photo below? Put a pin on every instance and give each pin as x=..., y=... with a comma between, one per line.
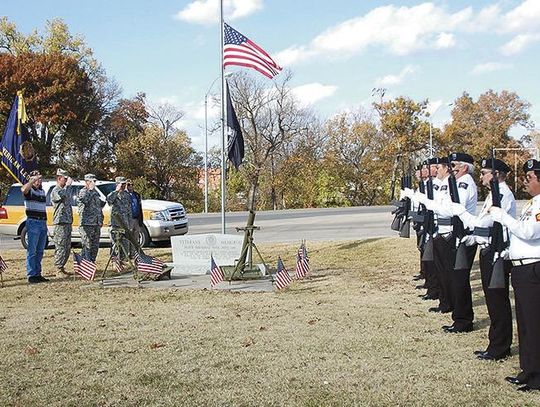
x=162, y=219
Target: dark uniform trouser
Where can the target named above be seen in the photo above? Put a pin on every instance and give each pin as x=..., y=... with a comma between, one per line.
x=432, y=283
x=461, y=288
x=526, y=283
x=498, y=306
x=419, y=234
x=444, y=256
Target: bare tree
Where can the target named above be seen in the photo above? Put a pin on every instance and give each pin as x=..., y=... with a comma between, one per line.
x=164, y=115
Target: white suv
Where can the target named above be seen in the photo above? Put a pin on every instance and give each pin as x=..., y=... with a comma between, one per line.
x=162, y=219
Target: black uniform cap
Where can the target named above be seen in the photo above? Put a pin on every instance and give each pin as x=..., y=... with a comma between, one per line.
x=438, y=160
x=498, y=165
x=466, y=158
x=531, y=165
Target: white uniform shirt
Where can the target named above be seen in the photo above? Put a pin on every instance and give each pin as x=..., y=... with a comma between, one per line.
x=525, y=232
x=484, y=219
x=441, y=194
x=468, y=193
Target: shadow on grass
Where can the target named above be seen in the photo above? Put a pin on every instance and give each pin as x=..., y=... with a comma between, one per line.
x=358, y=243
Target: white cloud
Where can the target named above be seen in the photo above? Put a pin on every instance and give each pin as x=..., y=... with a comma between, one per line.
x=392, y=80
x=434, y=106
x=311, y=93
x=523, y=18
x=519, y=43
x=401, y=30
x=489, y=67
x=207, y=11
x=445, y=40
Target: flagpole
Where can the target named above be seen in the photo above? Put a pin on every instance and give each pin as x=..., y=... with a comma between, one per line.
x=223, y=162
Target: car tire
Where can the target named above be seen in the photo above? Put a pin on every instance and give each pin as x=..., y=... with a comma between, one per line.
x=24, y=238
x=144, y=237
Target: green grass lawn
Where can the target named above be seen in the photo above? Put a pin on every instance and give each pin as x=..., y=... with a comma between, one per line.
x=355, y=333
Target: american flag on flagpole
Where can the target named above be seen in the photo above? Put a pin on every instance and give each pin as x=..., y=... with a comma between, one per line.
x=148, y=264
x=83, y=267
x=216, y=274
x=241, y=51
x=302, y=262
x=283, y=279
x=117, y=264
x=3, y=265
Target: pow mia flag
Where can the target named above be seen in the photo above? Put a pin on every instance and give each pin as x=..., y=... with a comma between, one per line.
x=235, y=140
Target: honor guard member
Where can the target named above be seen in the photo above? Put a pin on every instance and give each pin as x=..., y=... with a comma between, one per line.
x=431, y=281
x=120, y=202
x=524, y=252
x=497, y=299
x=443, y=244
x=421, y=176
x=91, y=218
x=62, y=221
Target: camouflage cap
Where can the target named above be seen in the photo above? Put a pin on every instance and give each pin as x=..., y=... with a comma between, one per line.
x=89, y=177
x=120, y=180
x=61, y=173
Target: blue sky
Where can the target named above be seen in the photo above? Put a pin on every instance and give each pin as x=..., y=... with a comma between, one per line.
x=338, y=51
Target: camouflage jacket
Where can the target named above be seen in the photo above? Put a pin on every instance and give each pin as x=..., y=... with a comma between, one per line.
x=120, y=203
x=62, y=210
x=90, y=210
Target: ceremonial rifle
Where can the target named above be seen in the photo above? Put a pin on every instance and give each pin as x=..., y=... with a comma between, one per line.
x=458, y=228
x=429, y=225
x=398, y=212
x=497, y=244
x=405, y=230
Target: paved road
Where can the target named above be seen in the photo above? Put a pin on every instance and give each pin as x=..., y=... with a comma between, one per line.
x=297, y=224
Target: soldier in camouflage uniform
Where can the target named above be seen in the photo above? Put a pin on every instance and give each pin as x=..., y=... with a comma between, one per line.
x=62, y=220
x=120, y=202
x=91, y=218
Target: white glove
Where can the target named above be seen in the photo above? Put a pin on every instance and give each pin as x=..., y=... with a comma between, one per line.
x=457, y=209
x=496, y=213
x=469, y=240
x=401, y=195
x=419, y=197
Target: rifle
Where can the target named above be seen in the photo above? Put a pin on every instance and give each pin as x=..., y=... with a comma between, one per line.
x=458, y=228
x=399, y=211
x=429, y=225
x=405, y=230
x=497, y=238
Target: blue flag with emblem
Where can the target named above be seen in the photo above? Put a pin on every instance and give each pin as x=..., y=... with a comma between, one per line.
x=17, y=153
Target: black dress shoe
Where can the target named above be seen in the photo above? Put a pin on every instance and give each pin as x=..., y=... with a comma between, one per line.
x=525, y=388
x=513, y=380
x=43, y=279
x=479, y=352
x=418, y=277
x=420, y=287
x=34, y=280
x=434, y=309
x=427, y=297
x=488, y=356
x=455, y=330
x=445, y=327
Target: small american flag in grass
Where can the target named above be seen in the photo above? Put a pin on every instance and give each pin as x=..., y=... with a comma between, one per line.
x=83, y=267
x=3, y=265
x=302, y=262
x=117, y=264
x=283, y=279
x=148, y=264
x=216, y=274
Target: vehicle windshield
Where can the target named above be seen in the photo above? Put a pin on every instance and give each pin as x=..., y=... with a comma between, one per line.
x=107, y=188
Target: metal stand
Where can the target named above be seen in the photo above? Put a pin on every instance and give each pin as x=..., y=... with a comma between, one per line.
x=245, y=262
x=119, y=250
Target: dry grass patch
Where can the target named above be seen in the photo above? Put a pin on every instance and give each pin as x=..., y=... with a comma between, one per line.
x=354, y=334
